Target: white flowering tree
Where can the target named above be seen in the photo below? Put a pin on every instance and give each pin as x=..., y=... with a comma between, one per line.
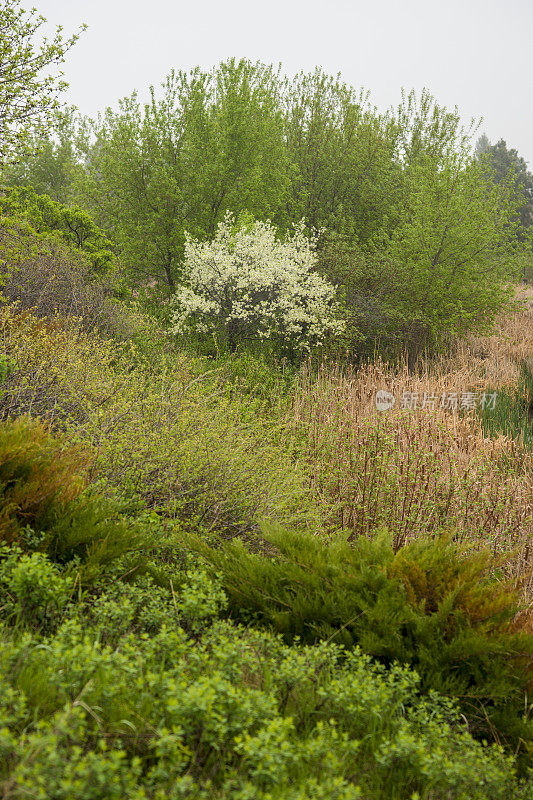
x=251, y=285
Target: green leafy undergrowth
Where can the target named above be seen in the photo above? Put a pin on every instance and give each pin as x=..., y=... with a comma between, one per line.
x=429, y=606
x=198, y=446
x=43, y=217
x=143, y=693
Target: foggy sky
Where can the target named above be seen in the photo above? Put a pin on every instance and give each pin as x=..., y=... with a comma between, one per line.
x=471, y=53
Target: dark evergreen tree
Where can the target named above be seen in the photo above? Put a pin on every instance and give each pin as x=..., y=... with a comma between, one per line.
x=505, y=162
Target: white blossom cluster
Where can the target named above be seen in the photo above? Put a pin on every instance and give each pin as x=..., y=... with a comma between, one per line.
x=255, y=286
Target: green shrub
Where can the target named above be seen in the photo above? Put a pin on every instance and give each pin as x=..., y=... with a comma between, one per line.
x=32, y=590
x=114, y=607
x=37, y=474
x=70, y=224
x=234, y=714
x=166, y=436
x=428, y=605
x=45, y=503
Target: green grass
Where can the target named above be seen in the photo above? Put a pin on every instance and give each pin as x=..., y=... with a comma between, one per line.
x=509, y=415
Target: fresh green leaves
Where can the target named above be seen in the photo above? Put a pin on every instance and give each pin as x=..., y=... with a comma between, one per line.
x=213, y=142
x=71, y=224
x=47, y=218
x=29, y=83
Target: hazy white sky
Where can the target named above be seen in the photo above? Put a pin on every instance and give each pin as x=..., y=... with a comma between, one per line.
x=475, y=54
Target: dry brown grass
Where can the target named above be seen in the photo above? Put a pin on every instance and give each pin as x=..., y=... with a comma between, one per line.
x=512, y=342
x=421, y=471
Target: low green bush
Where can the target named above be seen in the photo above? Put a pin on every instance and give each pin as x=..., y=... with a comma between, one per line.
x=32, y=590
x=153, y=713
x=428, y=605
x=191, y=444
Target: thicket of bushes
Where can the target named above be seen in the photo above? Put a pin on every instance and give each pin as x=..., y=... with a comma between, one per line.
x=231, y=712
x=230, y=444
x=119, y=686
x=429, y=605
x=208, y=454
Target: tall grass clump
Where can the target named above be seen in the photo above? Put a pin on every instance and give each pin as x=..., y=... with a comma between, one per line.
x=512, y=414
x=416, y=472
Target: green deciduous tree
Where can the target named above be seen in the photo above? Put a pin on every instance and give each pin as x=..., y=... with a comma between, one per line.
x=213, y=143
x=235, y=146
x=505, y=164
x=453, y=251
x=442, y=261
x=30, y=85
x=70, y=224
x=341, y=152
x=50, y=161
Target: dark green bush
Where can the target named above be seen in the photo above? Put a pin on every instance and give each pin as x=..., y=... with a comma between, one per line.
x=429, y=606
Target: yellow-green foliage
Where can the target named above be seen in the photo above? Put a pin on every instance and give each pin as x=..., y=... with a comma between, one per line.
x=163, y=434
x=36, y=473
x=230, y=713
x=61, y=373
x=45, y=505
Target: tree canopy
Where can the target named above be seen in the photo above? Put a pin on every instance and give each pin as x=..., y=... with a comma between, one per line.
x=30, y=83
x=505, y=165
x=420, y=235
